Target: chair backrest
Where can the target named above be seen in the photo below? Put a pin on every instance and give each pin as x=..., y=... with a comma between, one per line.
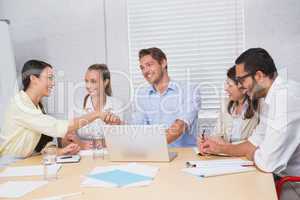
x=282, y=181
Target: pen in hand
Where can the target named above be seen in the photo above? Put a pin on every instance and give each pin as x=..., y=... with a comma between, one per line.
x=203, y=135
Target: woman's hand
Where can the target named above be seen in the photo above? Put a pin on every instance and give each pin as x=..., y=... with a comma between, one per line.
x=70, y=149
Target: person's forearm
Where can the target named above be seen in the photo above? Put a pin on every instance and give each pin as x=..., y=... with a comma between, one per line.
x=243, y=149
x=80, y=122
x=175, y=130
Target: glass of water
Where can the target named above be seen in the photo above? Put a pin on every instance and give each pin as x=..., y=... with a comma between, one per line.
x=98, y=143
x=49, y=163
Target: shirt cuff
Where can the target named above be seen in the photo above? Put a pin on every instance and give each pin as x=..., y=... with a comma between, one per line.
x=62, y=128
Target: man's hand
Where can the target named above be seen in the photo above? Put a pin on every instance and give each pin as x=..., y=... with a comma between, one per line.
x=175, y=130
x=112, y=119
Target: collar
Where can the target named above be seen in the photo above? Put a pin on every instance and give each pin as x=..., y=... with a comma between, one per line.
x=171, y=86
x=107, y=107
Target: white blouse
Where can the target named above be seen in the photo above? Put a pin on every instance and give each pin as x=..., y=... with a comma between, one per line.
x=237, y=122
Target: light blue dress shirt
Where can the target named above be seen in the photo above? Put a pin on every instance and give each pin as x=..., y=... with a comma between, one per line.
x=179, y=101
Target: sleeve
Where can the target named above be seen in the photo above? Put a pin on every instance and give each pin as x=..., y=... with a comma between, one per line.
x=277, y=148
x=191, y=103
x=42, y=123
x=258, y=134
x=282, y=134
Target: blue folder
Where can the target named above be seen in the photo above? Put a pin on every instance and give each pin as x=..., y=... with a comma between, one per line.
x=120, y=178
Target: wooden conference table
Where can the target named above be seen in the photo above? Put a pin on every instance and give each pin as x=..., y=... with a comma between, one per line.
x=170, y=182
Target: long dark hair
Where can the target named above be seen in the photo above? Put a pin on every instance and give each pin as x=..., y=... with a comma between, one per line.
x=252, y=104
x=104, y=72
x=33, y=68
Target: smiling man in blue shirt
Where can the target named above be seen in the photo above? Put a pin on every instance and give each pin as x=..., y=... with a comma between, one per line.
x=166, y=102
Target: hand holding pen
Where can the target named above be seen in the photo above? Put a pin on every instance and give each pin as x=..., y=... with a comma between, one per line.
x=200, y=141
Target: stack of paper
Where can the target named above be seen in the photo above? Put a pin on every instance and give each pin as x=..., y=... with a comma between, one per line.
x=209, y=168
x=130, y=175
x=33, y=170
x=16, y=189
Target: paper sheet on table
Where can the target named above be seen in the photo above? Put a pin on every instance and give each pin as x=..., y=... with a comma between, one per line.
x=61, y=197
x=139, y=169
x=89, y=152
x=7, y=160
x=16, y=189
x=217, y=171
x=218, y=167
x=221, y=162
x=33, y=170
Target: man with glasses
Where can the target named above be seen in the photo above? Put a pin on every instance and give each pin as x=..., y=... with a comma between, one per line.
x=274, y=145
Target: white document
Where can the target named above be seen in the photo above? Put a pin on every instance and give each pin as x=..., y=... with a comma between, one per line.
x=217, y=171
x=61, y=197
x=221, y=162
x=34, y=170
x=7, y=160
x=207, y=168
x=139, y=169
x=16, y=189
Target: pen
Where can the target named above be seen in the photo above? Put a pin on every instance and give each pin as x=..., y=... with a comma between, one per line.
x=251, y=165
x=203, y=138
x=65, y=157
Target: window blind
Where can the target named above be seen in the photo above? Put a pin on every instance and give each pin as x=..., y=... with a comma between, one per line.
x=200, y=37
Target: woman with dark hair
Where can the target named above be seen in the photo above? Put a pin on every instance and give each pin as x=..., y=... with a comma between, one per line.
x=27, y=128
x=238, y=115
x=99, y=97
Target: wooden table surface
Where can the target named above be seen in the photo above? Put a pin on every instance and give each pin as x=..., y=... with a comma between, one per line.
x=170, y=182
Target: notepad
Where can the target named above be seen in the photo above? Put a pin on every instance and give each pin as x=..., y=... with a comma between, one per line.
x=208, y=168
x=16, y=189
x=120, y=178
x=33, y=170
x=217, y=171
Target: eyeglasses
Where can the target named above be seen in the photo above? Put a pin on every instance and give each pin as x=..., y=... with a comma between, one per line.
x=241, y=79
x=229, y=83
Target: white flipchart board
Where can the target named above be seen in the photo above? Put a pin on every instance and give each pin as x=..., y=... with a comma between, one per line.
x=8, y=78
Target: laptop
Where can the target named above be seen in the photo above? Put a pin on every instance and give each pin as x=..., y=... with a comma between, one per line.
x=137, y=143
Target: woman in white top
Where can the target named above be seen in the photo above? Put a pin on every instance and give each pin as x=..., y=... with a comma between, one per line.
x=238, y=114
x=27, y=128
x=98, y=98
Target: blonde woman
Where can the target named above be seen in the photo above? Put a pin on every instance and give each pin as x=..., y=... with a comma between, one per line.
x=27, y=128
x=99, y=98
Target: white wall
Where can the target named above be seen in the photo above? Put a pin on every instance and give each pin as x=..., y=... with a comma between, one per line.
x=71, y=35
x=118, y=49
x=275, y=26
x=68, y=34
